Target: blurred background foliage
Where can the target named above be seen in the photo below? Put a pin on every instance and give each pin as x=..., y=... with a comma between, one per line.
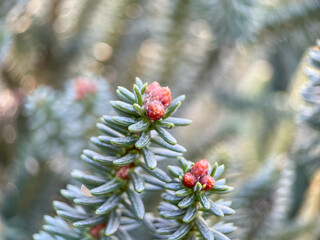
x=240, y=63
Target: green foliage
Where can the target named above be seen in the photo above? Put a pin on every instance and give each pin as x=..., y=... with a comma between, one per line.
x=288, y=19
x=230, y=57
x=310, y=114
x=265, y=199
x=57, y=125
x=185, y=211
x=111, y=194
